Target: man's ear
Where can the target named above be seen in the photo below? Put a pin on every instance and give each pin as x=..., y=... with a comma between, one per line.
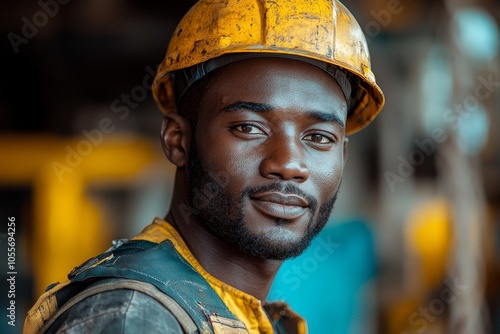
x=175, y=137
x=346, y=142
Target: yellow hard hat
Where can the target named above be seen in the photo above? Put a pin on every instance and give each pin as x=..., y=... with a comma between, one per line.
x=321, y=32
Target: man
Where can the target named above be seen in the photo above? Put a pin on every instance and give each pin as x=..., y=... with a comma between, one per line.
x=258, y=98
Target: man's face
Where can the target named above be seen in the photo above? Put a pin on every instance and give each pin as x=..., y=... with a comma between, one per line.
x=267, y=155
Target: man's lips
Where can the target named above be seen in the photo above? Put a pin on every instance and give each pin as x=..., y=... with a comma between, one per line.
x=280, y=205
x=281, y=198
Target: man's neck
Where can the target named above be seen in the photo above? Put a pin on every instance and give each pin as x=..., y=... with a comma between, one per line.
x=225, y=262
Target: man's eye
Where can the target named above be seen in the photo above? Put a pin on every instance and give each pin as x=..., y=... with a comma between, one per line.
x=248, y=128
x=318, y=138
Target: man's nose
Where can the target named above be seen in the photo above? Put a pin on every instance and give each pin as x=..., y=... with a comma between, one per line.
x=284, y=160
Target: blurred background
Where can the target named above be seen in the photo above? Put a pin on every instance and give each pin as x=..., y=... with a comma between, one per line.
x=413, y=245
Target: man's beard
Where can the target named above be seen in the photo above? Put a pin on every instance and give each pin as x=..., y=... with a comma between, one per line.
x=224, y=218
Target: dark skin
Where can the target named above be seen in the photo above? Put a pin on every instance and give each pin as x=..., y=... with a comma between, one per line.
x=263, y=121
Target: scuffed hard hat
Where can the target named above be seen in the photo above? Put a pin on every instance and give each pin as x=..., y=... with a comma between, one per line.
x=321, y=32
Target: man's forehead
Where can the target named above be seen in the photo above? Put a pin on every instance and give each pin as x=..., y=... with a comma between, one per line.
x=278, y=83
x=261, y=67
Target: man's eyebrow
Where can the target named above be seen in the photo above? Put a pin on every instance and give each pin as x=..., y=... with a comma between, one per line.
x=262, y=107
x=250, y=106
x=326, y=117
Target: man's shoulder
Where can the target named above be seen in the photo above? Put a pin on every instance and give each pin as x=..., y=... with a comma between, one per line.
x=117, y=311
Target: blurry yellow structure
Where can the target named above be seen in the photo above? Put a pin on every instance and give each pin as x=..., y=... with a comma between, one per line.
x=429, y=239
x=429, y=235
x=67, y=227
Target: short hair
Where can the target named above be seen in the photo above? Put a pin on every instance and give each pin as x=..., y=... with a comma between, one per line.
x=189, y=103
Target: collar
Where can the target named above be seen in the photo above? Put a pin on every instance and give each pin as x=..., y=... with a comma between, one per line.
x=245, y=307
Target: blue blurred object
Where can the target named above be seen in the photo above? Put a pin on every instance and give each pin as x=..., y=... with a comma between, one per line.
x=476, y=33
x=331, y=283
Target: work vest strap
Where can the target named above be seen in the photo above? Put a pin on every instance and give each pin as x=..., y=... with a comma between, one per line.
x=162, y=266
x=155, y=269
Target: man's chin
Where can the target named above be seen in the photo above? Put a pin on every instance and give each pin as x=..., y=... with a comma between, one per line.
x=277, y=243
x=277, y=251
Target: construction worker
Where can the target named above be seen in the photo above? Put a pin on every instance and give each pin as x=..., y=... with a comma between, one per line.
x=258, y=98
